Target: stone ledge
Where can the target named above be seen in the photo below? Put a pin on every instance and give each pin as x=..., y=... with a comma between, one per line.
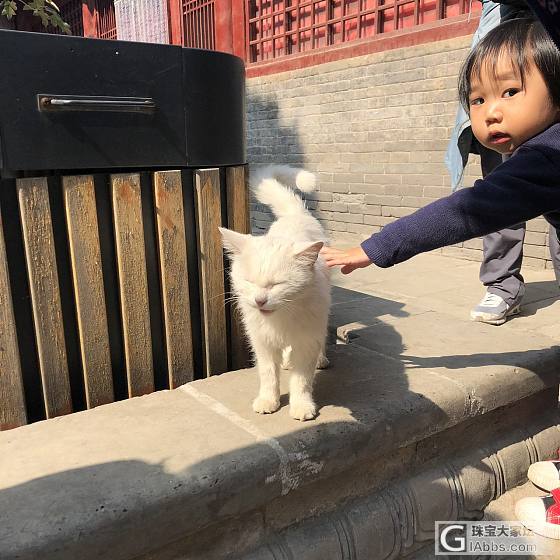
x=399, y=520
x=125, y=479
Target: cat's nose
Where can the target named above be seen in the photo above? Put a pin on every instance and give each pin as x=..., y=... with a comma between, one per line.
x=261, y=300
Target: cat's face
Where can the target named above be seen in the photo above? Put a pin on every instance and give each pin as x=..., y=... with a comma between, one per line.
x=268, y=273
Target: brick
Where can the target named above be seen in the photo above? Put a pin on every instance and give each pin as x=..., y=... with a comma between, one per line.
x=364, y=189
x=365, y=230
x=531, y=262
x=348, y=198
x=335, y=187
x=536, y=251
x=334, y=226
x=538, y=225
x=427, y=180
x=350, y=177
x=372, y=209
x=436, y=192
x=356, y=208
x=346, y=217
x=399, y=168
x=534, y=238
x=320, y=196
x=378, y=220
x=383, y=200
x=396, y=211
x=322, y=215
x=378, y=179
x=404, y=190
x=334, y=206
x=262, y=216
x=415, y=201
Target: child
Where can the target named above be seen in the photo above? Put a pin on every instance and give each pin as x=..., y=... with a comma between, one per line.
x=510, y=85
x=502, y=251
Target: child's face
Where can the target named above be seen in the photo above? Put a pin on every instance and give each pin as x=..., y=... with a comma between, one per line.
x=503, y=112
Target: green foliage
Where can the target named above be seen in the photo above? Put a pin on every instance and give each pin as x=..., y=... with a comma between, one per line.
x=46, y=10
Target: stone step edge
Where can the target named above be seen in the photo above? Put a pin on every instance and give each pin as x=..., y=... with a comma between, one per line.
x=400, y=519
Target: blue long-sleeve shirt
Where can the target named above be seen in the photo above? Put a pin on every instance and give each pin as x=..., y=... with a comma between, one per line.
x=525, y=186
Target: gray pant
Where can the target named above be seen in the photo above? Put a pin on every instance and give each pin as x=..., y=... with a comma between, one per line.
x=500, y=270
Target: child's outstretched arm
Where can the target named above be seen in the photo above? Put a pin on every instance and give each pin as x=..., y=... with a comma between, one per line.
x=348, y=259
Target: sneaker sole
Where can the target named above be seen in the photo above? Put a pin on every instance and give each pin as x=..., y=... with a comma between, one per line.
x=500, y=321
x=548, y=530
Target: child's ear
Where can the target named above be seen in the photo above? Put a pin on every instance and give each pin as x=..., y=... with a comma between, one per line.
x=308, y=252
x=232, y=241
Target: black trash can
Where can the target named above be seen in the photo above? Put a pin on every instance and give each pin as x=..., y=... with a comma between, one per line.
x=118, y=162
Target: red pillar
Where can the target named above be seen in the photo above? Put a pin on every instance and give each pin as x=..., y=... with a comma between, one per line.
x=175, y=16
x=230, y=26
x=90, y=18
x=240, y=39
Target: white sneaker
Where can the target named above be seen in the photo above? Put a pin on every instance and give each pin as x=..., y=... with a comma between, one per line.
x=545, y=474
x=493, y=310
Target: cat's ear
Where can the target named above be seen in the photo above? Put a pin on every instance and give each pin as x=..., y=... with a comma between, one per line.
x=232, y=241
x=308, y=252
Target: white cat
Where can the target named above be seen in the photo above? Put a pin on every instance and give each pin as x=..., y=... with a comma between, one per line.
x=282, y=288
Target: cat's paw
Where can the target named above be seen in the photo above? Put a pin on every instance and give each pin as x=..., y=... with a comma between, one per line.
x=285, y=365
x=322, y=362
x=303, y=410
x=266, y=405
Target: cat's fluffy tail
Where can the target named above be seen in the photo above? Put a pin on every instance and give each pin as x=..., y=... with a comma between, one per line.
x=269, y=186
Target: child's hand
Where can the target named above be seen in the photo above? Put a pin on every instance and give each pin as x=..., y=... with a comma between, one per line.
x=349, y=259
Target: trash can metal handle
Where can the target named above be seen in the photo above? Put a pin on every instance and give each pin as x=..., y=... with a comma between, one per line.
x=51, y=103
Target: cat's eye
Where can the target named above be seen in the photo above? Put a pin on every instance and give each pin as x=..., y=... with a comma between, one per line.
x=271, y=285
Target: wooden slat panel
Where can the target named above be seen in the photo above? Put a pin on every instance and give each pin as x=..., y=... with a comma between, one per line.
x=133, y=283
x=45, y=294
x=83, y=235
x=174, y=276
x=208, y=209
x=12, y=400
x=238, y=220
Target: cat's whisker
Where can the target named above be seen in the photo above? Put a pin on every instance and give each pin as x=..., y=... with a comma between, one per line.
x=218, y=296
x=228, y=301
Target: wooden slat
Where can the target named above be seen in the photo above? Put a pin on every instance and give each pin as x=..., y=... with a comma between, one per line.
x=238, y=220
x=12, y=400
x=172, y=246
x=208, y=210
x=45, y=294
x=83, y=235
x=133, y=283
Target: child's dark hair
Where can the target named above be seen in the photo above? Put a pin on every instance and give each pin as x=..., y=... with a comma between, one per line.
x=522, y=40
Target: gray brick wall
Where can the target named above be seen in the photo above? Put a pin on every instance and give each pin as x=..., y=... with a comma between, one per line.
x=375, y=130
